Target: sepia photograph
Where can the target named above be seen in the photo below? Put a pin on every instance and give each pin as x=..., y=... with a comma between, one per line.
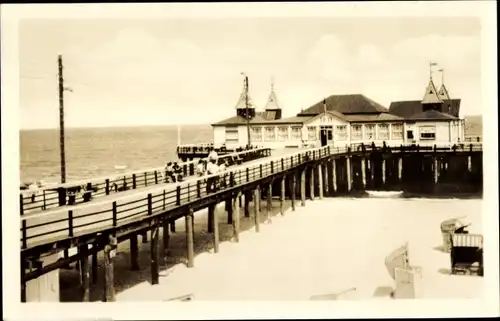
x=288, y=153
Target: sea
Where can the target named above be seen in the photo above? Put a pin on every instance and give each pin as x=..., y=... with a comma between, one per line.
x=94, y=152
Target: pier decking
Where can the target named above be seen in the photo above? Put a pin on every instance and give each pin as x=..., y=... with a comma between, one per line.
x=320, y=171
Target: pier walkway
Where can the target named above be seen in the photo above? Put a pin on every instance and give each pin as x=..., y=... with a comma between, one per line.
x=99, y=225
x=62, y=195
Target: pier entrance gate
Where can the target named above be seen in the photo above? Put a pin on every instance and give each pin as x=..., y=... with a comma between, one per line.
x=326, y=135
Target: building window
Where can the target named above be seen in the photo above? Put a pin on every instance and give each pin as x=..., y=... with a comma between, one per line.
x=282, y=133
x=341, y=132
x=296, y=132
x=269, y=134
x=232, y=134
x=356, y=132
x=427, y=132
x=397, y=131
x=256, y=134
x=370, y=132
x=383, y=131
x=312, y=133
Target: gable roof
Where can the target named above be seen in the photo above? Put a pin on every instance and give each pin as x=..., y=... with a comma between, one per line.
x=272, y=101
x=346, y=104
x=431, y=115
x=443, y=93
x=241, y=104
x=452, y=106
x=431, y=94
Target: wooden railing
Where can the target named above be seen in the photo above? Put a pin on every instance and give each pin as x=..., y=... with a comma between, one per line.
x=64, y=222
x=81, y=191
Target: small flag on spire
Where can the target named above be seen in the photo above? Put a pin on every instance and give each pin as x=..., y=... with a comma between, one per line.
x=433, y=63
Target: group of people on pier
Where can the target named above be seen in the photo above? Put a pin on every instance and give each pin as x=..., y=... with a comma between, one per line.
x=210, y=166
x=173, y=173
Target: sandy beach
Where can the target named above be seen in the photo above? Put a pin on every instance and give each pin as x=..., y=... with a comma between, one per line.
x=323, y=249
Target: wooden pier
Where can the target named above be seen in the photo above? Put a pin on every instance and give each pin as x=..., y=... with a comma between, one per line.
x=72, y=193
x=308, y=174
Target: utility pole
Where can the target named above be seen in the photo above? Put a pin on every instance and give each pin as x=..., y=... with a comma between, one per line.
x=247, y=111
x=61, y=120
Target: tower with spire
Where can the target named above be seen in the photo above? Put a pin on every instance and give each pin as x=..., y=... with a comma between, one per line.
x=272, y=108
x=431, y=100
x=443, y=91
x=245, y=102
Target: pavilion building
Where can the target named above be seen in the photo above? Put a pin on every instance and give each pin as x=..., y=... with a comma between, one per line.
x=340, y=120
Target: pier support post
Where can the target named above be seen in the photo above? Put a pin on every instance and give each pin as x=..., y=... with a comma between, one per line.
x=155, y=268
x=348, y=170
x=85, y=270
x=372, y=171
x=134, y=253
x=320, y=181
x=303, y=187
x=282, y=196
x=95, y=270
x=269, y=200
x=166, y=240
x=190, y=238
x=145, y=237
x=109, y=257
x=400, y=168
x=240, y=202
x=294, y=190
x=326, y=186
x=311, y=182
x=436, y=170
x=256, y=208
x=247, y=204
x=229, y=210
x=334, y=175
x=210, y=223
x=383, y=171
x=363, y=172
x=236, y=221
x=469, y=163
x=215, y=228
x=172, y=226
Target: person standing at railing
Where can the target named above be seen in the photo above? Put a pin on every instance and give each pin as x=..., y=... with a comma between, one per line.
x=223, y=177
x=212, y=168
x=213, y=155
x=201, y=168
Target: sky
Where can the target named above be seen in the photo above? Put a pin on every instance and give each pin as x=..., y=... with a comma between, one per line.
x=127, y=72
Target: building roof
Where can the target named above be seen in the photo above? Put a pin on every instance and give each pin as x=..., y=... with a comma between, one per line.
x=405, y=108
x=272, y=101
x=409, y=108
x=239, y=120
x=346, y=104
x=431, y=115
x=431, y=94
x=443, y=93
x=241, y=104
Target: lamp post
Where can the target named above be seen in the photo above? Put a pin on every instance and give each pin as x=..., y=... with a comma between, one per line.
x=247, y=113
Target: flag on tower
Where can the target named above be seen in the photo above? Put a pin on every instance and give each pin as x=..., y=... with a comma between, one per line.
x=433, y=63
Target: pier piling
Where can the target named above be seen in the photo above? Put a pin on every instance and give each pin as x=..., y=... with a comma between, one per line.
x=166, y=239
x=349, y=173
x=294, y=190
x=326, y=186
x=155, y=269
x=145, y=237
x=320, y=181
x=85, y=273
x=134, y=253
x=383, y=171
x=236, y=221
x=109, y=257
x=282, y=196
x=229, y=210
x=303, y=187
x=269, y=199
x=334, y=175
x=210, y=223
x=311, y=183
x=215, y=229
x=363, y=171
x=190, y=238
x=256, y=208
x=95, y=275
x=247, y=198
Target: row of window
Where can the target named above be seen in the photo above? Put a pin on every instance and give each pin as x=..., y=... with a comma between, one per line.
x=371, y=132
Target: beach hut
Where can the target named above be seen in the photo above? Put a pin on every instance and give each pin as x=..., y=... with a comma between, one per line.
x=407, y=277
x=466, y=254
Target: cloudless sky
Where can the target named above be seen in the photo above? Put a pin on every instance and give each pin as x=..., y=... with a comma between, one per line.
x=165, y=71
